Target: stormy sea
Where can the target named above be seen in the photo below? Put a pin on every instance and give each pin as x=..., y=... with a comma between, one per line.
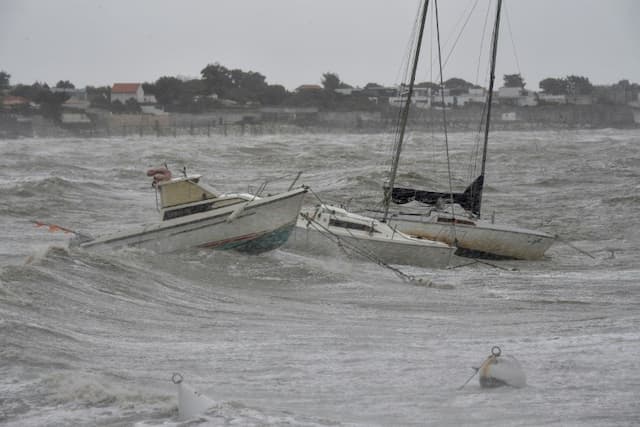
x=288, y=338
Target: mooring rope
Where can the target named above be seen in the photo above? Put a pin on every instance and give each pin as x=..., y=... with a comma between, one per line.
x=582, y=251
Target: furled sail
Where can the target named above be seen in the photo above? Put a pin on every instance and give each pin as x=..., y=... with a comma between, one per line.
x=469, y=199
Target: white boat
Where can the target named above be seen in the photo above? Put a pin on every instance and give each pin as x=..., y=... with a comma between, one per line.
x=326, y=228
x=192, y=215
x=474, y=237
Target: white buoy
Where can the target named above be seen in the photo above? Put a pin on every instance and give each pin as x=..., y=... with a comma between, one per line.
x=190, y=402
x=498, y=370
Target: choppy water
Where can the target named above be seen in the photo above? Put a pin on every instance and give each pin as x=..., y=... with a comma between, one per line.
x=288, y=339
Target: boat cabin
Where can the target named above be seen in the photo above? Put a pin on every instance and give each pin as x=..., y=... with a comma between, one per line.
x=186, y=196
x=179, y=191
x=333, y=216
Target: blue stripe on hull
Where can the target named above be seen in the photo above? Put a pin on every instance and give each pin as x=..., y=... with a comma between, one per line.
x=266, y=242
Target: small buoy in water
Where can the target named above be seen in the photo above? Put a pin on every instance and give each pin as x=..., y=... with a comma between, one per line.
x=190, y=402
x=498, y=370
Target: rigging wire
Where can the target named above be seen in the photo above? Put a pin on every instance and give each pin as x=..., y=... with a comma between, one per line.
x=455, y=43
x=474, y=155
x=404, y=113
x=513, y=44
x=403, y=73
x=482, y=38
x=466, y=16
x=444, y=123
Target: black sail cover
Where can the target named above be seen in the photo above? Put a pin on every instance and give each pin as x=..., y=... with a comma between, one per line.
x=469, y=199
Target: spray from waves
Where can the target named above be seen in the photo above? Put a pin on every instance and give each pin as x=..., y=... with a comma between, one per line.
x=108, y=401
x=73, y=308
x=46, y=196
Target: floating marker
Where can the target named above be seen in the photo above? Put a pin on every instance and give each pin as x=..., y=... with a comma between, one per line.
x=191, y=403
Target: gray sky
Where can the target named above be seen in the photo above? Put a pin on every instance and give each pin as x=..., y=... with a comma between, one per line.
x=292, y=42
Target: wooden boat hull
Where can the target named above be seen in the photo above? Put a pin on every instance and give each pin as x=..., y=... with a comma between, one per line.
x=478, y=239
x=253, y=226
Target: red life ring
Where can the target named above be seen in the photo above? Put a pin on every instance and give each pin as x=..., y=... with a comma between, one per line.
x=159, y=174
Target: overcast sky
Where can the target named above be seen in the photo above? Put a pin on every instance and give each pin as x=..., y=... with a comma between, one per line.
x=293, y=42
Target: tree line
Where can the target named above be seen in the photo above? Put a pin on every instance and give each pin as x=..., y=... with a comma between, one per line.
x=219, y=86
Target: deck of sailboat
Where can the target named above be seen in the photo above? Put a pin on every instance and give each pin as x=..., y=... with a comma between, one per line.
x=327, y=229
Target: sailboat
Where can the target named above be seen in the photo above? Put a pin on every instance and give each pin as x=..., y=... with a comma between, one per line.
x=325, y=227
x=474, y=237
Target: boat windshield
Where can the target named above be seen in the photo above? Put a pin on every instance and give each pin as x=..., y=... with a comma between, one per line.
x=351, y=225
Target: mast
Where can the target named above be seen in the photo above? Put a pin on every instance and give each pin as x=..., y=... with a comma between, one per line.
x=492, y=77
x=405, y=115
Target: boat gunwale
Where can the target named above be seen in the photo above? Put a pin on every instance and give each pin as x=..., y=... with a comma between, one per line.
x=173, y=223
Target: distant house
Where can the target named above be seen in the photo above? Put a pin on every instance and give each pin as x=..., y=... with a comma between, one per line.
x=79, y=94
x=77, y=98
x=346, y=90
x=509, y=117
x=509, y=95
x=473, y=96
x=580, y=99
x=75, y=119
x=528, y=99
x=125, y=91
x=14, y=101
x=548, y=98
x=421, y=97
x=517, y=96
x=76, y=104
x=308, y=88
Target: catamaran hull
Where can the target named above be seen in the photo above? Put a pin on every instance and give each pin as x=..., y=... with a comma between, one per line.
x=254, y=226
x=400, y=251
x=482, y=240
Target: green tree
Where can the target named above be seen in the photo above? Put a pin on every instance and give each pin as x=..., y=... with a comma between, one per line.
x=554, y=86
x=4, y=80
x=66, y=84
x=217, y=78
x=99, y=96
x=273, y=95
x=579, y=85
x=31, y=92
x=330, y=81
x=457, y=83
x=168, y=90
x=514, y=80
x=50, y=103
x=132, y=106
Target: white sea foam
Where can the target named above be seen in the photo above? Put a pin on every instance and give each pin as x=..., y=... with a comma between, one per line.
x=292, y=339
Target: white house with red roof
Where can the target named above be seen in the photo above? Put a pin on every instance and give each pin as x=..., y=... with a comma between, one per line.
x=124, y=91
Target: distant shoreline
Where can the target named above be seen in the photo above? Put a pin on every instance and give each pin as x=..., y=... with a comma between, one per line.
x=273, y=120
